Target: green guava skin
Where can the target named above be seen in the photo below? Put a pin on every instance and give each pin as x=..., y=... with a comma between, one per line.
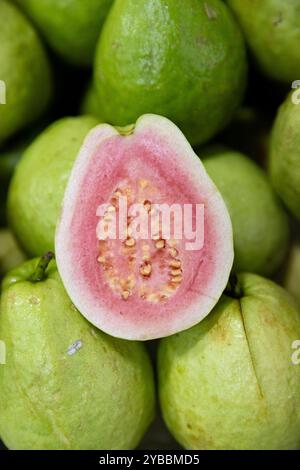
x=284, y=156
x=25, y=70
x=261, y=229
x=37, y=187
x=101, y=397
x=10, y=253
x=230, y=382
x=272, y=30
x=183, y=61
x=70, y=27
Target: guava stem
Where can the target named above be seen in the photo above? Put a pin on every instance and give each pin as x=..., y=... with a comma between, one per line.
x=234, y=288
x=126, y=130
x=39, y=274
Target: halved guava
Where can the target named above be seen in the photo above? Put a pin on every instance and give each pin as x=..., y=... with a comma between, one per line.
x=129, y=282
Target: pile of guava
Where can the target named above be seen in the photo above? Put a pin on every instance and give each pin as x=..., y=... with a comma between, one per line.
x=150, y=225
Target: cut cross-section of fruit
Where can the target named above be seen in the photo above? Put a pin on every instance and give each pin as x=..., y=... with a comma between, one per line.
x=144, y=243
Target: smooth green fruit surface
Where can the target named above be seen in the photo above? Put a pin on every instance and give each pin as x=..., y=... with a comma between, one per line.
x=65, y=384
x=10, y=253
x=260, y=225
x=230, y=382
x=38, y=185
x=71, y=27
x=183, y=60
x=272, y=30
x=25, y=71
x=284, y=159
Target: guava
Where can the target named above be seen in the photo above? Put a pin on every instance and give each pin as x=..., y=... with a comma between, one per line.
x=146, y=230
x=10, y=253
x=233, y=381
x=66, y=385
x=284, y=156
x=272, y=31
x=26, y=82
x=183, y=60
x=260, y=224
x=71, y=28
x=37, y=188
x=291, y=278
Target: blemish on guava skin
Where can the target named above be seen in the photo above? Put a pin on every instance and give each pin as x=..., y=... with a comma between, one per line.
x=74, y=347
x=34, y=300
x=94, y=333
x=278, y=20
x=210, y=11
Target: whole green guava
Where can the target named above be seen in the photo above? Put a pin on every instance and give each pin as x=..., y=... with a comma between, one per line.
x=26, y=82
x=38, y=185
x=260, y=224
x=183, y=60
x=65, y=384
x=284, y=156
x=233, y=380
x=70, y=27
x=272, y=30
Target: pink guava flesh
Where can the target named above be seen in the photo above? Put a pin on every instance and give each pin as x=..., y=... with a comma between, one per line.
x=142, y=287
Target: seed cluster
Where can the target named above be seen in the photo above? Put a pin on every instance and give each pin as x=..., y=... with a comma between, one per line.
x=151, y=269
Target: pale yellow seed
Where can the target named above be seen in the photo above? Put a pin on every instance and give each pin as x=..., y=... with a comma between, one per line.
x=125, y=294
x=176, y=272
x=176, y=279
x=173, y=252
x=146, y=269
x=123, y=282
x=131, y=284
x=146, y=247
x=152, y=298
x=130, y=242
x=176, y=263
x=160, y=244
x=115, y=280
x=101, y=259
x=143, y=183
